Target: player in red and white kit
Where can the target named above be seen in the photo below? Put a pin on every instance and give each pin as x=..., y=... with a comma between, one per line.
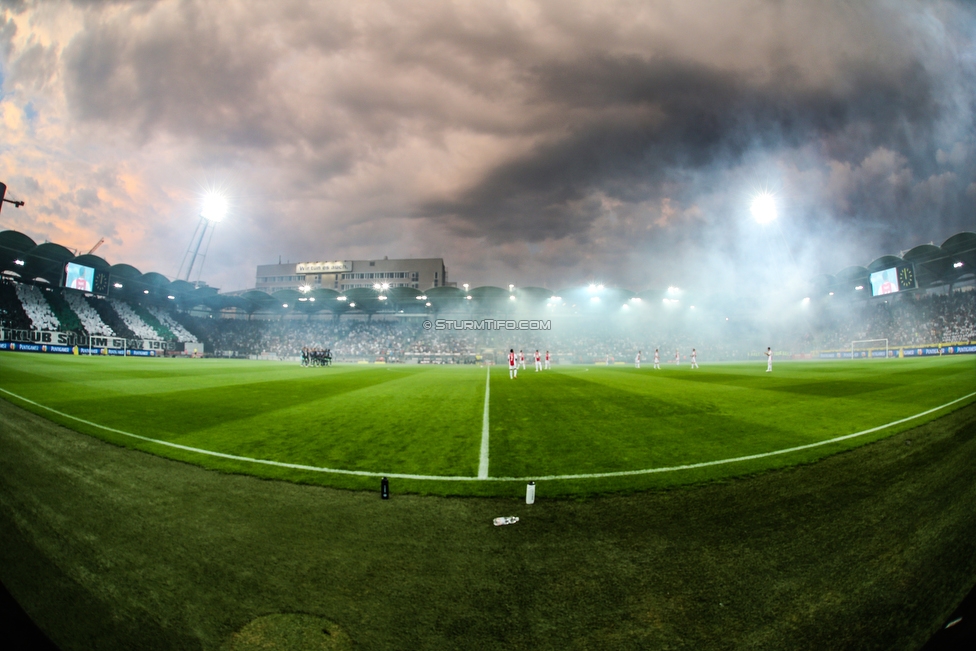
x=657, y=358
x=694, y=358
x=769, y=359
x=538, y=361
x=522, y=359
x=512, y=364
x=547, y=360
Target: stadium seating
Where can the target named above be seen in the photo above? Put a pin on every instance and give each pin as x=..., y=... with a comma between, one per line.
x=139, y=327
x=181, y=333
x=12, y=314
x=90, y=320
x=38, y=311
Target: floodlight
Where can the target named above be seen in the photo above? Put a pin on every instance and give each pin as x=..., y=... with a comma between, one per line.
x=594, y=299
x=303, y=299
x=635, y=299
x=305, y=288
x=19, y=262
x=341, y=298
x=427, y=304
x=284, y=305
x=859, y=287
x=763, y=208
x=382, y=298
x=171, y=297
x=599, y=287
x=214, y=207
x=312, y=299
x=806, y=300
x=831, y=293
x=626, y=307
x=468, y=297
x=385, y=286
x=511, y=287
x=956, y=265
x=692, y=307
x=352, y=305
x=117, y=285
x=465, y=285
x=511, y=298
x=145, y=291
x=673, y=290
x=555, y=298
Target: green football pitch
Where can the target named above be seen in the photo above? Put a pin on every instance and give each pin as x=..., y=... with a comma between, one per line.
x=473, y=431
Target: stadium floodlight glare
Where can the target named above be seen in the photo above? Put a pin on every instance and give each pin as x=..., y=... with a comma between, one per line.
x=305, y=289
x=635, y=299
x=956, y=265
x=171, y=297
x=117, y=285
x=806, y=301
x=303, y=299
x=763, y=208
x=859, y=287
x=352, y=305
x=312, y=299
x=341, y=298
x=831, y=294
x=19, y=262
x=214, y=207
x=673, y=290
x=427, y=303
x=381, y=298
x=511, y=288
x=145, y=291
x=468, y=297
x=594, y=299
x=465, y=285
x=511, y=298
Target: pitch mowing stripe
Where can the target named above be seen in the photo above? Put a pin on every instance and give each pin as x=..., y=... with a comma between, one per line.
x=483, y=461
x=597, y=475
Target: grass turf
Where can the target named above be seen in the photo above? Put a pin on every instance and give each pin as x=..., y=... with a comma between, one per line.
x=111, y=548
x=427, y=421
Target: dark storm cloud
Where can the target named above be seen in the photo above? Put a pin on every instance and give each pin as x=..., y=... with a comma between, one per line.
x=656, y=117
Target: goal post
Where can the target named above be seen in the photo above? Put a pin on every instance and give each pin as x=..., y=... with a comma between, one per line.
x=869, y=347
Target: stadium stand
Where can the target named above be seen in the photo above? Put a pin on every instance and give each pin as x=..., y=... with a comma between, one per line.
x=12, y=314
x=62, y=310
x=132, y=320
x=178, y=331
x=38, y=310
x=90, y=320
x=110, y=317
x=162, y=332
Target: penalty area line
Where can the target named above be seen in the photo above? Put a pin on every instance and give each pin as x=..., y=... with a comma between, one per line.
x=483, y=459
x=597, y=475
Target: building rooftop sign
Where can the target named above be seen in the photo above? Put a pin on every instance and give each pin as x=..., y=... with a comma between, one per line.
x=323, y=267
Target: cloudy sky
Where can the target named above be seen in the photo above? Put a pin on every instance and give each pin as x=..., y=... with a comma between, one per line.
x=538, y=143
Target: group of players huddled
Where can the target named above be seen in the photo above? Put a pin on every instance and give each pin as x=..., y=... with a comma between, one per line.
x=316, y=356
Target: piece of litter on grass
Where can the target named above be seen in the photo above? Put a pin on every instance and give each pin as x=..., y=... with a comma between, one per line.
x=502, y=521
x=954, y=622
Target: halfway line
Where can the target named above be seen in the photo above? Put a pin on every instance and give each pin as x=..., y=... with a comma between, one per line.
x=483, y=462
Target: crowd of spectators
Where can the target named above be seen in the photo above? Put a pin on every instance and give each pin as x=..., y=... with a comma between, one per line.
x=37, y=308
x=141, y=329
x=181, y=333
x=90, y=320
x=909, y=320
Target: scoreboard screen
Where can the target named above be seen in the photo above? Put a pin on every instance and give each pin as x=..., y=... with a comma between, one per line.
x=86, y=279
x=892, y=280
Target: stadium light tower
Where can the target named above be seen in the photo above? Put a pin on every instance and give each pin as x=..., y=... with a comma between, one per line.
x=763, y=208
x=213, y=211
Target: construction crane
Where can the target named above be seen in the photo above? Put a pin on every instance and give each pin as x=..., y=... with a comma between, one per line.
x=97, y=244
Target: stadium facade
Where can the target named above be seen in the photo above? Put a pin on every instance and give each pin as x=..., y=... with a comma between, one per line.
x=343, y=275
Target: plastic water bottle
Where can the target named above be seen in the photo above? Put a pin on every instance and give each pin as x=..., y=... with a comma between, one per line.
x=530, y=493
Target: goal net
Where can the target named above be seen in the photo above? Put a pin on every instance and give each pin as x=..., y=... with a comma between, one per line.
x=869, y=348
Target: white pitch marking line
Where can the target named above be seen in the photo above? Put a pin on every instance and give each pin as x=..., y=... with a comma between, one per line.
x=598, y=475
x=483, y=461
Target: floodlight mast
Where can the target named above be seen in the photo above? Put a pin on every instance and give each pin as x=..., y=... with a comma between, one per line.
x=213, y=210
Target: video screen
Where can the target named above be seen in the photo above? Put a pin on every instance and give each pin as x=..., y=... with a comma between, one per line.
x=78, y=276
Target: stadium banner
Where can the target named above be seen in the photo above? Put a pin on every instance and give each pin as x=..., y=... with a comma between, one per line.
x=36, y=348
x=39, y=337
x=920, y=351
